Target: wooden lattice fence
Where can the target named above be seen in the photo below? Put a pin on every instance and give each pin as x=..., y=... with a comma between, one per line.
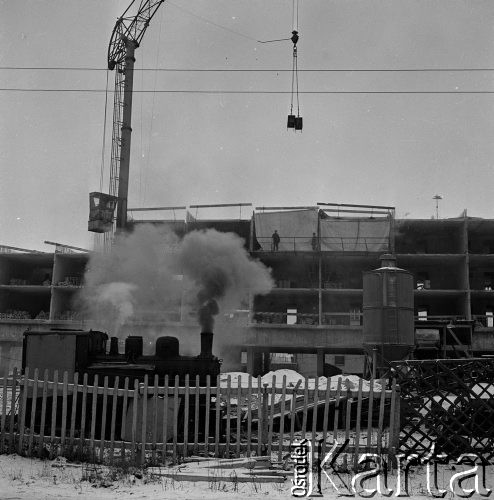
x=448, y=403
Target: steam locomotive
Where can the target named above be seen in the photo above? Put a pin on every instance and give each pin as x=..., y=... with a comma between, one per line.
x=83, y=352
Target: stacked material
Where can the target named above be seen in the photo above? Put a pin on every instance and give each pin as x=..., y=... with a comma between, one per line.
x=235, y=470
x=293, y=380
x=15, y=314
x=350, y=382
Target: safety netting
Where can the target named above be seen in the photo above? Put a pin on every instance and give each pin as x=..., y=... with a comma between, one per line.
x=296, y=229
x=355, y=235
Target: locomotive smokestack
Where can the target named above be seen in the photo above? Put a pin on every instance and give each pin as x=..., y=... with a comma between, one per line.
x=207, y=311
x=114, y=346
x=206, y=344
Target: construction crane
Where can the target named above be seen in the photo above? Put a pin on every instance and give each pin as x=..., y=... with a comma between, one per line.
x=125, y=39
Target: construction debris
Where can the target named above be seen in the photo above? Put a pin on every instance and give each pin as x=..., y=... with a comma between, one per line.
x=242, y=470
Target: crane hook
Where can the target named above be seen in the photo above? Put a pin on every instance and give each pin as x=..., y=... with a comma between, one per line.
x=294, y=37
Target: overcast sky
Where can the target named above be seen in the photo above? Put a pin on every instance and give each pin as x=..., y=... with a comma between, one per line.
x=397, y=149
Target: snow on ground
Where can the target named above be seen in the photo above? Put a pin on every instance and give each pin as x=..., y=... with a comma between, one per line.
x=23, y=478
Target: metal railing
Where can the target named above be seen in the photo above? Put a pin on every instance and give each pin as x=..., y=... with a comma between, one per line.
x=332, y=319
x=328, y=244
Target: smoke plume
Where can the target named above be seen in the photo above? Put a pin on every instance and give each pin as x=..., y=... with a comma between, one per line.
x=222, y=271
x=149, y=271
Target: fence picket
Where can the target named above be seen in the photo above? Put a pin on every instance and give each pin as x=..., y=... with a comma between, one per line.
x=12, y=410
x=22, y=408
x=82, y=441
x=239, y=414
x=43, y=411
x=306, y=404
x=208, y=409
x=337, y=410
x=271, y=414
x=155, y=418
x=32, y=420
x=357, y=425
x=175, y=418
x=114, y=417
x=326, y=416
x=260, y=422
x=4, y=413
x=144, y=420
x=94, y=402
x=186, y=416
x=125, y=405
x=293, y=410
x=228, y=415
x=217, y=419
x=249, y=415
x=73, y=409
x=164, y=427
x=196, y=416
x=103, y=420
x=381, y=416
x=315, y=400
x=348, y=414
x=54, y=411
x=135, y=403
x=64, y=410
x=394, y=424
x=370, y=417
x=265, y=419
x=282, y=418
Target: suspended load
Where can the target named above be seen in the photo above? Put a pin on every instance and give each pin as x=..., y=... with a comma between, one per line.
x=101, y=212
x=295, y=122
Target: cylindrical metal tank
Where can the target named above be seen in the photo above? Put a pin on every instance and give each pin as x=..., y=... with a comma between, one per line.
x=388, y=307
x=133, y=347
x=167, y=347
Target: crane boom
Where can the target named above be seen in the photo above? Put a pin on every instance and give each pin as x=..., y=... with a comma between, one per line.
x=130, y=27
x=126, y=37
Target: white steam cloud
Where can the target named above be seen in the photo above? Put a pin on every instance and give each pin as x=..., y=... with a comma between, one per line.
x=140, y=277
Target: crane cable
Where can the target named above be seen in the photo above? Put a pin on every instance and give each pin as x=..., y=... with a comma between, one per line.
x=103, y=147
x=294, y=39
x=143, y=195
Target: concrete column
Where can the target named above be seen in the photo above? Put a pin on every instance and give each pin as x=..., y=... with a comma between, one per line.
x=250, y=360
x=320, y=362
x=255, y=364
x=266, y=362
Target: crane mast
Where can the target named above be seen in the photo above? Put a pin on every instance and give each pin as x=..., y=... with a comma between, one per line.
x=125, y=39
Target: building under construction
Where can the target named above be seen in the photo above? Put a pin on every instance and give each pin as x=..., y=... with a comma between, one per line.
x=312, y=320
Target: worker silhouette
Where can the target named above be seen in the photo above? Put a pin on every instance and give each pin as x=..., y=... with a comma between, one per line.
x=276, y=240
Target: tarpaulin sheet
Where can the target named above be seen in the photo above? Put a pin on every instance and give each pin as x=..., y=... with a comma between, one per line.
x=295, y=228
x=355, y=235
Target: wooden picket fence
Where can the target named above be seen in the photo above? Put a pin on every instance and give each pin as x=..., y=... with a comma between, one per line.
x=144, y=422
